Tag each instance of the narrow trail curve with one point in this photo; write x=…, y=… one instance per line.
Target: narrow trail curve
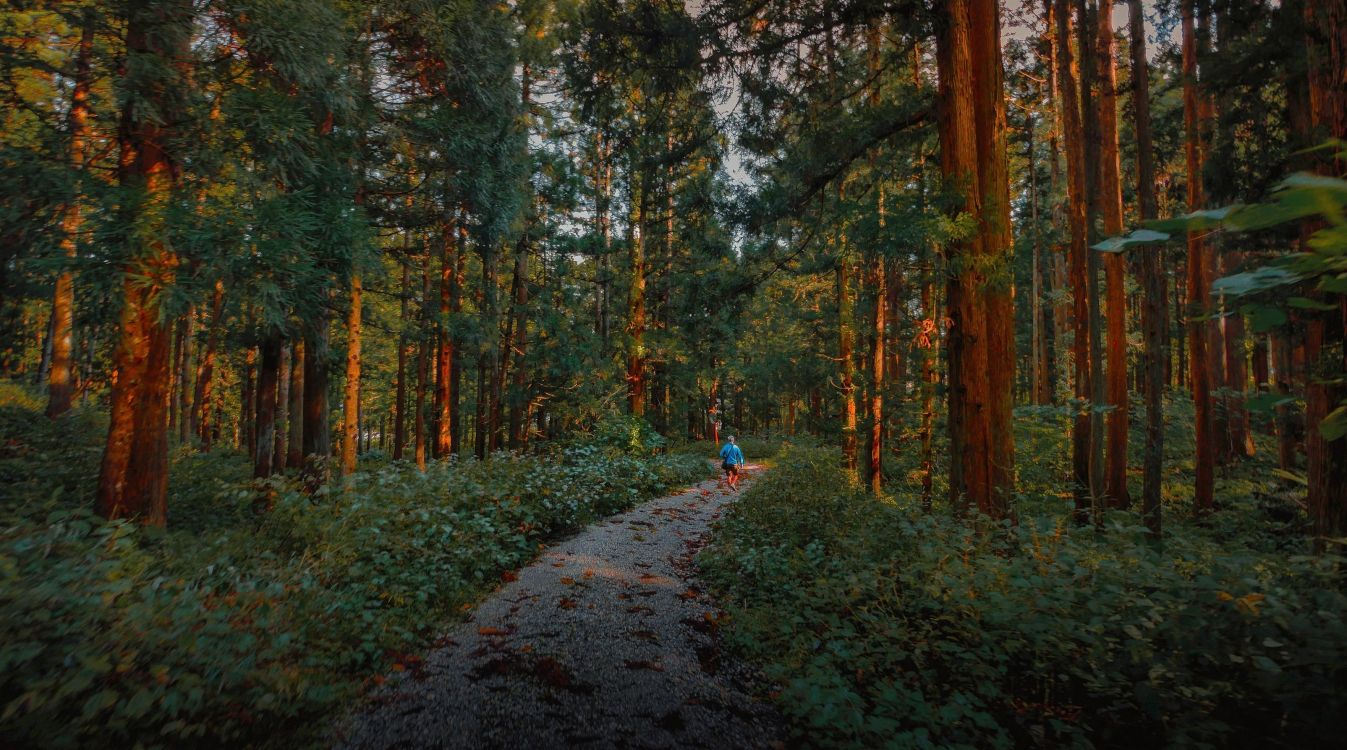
x=605, y=641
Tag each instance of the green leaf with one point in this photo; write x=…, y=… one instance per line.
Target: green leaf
x=1257, y=280
x=1192, y=222
x=1334, y=426
x=1305, y=303
x=1138, y=237
x=1266, y=402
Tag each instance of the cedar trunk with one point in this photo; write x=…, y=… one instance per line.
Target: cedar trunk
x=1198, y=287
x=133, y=477
x=350, y=429
x=61, y=384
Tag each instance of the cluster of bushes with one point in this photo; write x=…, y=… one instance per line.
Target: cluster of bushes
x=259, y=606
x=884, y=626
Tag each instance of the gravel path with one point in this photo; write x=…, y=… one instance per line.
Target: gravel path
x=605, y=641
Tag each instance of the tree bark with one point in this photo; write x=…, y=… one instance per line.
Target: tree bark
x=201, y=399
x=350, y=437
x=1198, y=287
x=317, y=434
x=61, y=383
x=133, y=477
x=1076, y=222
x=278, y=448
x=294, y=449
x=636, y=354
x=444, y=350
x=400, y=397
x=1110, y=192
x=268, y=380
x=1326, y=333
x=1155, y=311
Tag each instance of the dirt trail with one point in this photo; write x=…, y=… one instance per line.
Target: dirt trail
x=607, y=640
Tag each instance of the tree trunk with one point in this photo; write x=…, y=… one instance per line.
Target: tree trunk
x=61, y=380
x=351, y=395
x=205, y=370
x=1198, y=287
x=456, y=363
x=133, y=477
x=248, y=403
x=1110, y=191
x=268, y=380
x=444, y=350
x=636, y=356
x=1325, y=347
x=317, y=434
x=1155, y=311
x=294, y=448
x=400, y=399
x=876, y=278
x=1076, y=221
x=278, y=448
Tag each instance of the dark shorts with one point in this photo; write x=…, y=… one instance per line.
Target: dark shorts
x=730, y=468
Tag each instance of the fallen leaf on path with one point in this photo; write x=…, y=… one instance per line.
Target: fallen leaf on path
x=653, y=666
x=589, y=573
x=492, y=631
x=567, y=580
x=509, y=576
x=565, y=603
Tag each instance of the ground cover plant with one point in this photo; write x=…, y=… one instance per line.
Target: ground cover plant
x=886, y=626
x=262, y=608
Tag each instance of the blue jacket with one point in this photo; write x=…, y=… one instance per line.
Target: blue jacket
x=731, y=454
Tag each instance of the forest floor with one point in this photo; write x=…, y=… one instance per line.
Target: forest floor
x=606, y=640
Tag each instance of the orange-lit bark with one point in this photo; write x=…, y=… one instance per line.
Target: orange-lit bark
x=981, y=359
x=61, y=384
x=444, y=349
x=350, y=429
x=1111, y=204
x=279, y=455
x=876, y=278
x=133, y=477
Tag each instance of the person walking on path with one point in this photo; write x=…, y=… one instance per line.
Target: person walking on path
x=732, y=461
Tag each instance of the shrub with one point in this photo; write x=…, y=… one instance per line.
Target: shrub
x=887, y=627
x=239, y=624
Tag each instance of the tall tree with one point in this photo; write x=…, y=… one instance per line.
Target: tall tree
x=61, y=378
x=133, y=479
x=1155, y=310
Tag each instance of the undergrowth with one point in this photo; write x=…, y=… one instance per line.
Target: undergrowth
x=260, y=608
x=887, y=627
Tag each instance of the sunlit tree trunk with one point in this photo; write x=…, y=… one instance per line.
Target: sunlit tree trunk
x=456, y=362
x=1198, y=289
x=351, y=394
x=133, y=477
x=877, y=281
x=61, y=384
x=845, y=364
x=248, y=403
x=445, y=344
x=1111, y=202
x=1155, y=310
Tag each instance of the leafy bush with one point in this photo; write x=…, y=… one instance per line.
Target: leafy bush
x=239, y=619
x=627, y=435
x=889, y=627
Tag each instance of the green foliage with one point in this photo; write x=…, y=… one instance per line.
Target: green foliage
x=627, y=435
x=241, y=619
x=886, y=627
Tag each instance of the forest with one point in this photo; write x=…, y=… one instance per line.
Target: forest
x=327, y=324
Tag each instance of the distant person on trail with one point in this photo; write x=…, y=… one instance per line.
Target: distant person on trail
x=732, y=461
